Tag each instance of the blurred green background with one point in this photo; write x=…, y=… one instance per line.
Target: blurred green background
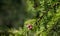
x=43, y=15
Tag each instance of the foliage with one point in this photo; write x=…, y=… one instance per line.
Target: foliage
x=43, y=15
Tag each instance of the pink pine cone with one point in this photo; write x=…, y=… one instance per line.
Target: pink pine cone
x=29, y=26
